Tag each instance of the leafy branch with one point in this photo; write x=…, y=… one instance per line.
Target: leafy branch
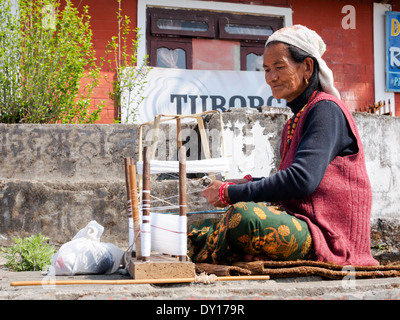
x=47, y=63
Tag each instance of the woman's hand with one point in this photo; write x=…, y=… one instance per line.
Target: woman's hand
x=211, y=193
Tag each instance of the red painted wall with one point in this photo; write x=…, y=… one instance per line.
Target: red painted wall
x=105, y=25
x=349, y=51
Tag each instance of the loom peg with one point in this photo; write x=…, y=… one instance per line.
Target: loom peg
x=145, y=231
x=182, y=187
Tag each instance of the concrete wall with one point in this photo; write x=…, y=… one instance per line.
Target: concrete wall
x=54, y=179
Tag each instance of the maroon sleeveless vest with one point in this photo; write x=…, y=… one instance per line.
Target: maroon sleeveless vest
x=338, y=211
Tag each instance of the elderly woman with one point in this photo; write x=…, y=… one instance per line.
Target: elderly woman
x=322, y=187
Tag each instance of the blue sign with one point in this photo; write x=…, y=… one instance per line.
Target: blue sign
x=392, y=51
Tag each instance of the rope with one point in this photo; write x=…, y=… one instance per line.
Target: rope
x=205, y=278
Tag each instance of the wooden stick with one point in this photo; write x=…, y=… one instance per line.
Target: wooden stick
x=178, y=135
x=127, y=162
x=132, y=281
x=204, y=142
x=146, y=202
x=135, y=208
x=182, y=187
x=154, y=141
x=182, y=181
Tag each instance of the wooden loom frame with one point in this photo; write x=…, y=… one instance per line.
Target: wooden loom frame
x=169, y=117
x=140, y=267
x=139, y=270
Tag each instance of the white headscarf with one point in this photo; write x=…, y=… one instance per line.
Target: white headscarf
x=309, y=41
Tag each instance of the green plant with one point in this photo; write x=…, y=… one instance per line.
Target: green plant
x=10, y=57
x=130, y=77
x=48, y=68
x=32, y=253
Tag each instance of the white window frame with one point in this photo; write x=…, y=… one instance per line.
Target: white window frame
x=285, y=13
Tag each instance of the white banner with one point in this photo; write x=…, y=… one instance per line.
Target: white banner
x=179, y=91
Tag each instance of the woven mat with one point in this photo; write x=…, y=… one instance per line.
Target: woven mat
x=222, y=270
x=300, y=268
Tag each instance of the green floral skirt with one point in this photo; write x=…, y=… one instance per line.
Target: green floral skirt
x=249, y=229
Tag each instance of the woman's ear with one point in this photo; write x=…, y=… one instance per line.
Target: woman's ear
x=308, y=67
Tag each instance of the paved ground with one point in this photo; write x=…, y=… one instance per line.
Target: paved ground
x=307, y=288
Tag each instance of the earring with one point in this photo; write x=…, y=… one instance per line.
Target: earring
x=307, y=82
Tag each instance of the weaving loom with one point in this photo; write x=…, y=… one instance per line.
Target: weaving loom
x=163, y=233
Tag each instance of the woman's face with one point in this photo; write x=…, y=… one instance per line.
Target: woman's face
x=285, y=76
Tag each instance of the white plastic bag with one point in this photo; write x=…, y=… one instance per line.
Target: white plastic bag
x=85, y=254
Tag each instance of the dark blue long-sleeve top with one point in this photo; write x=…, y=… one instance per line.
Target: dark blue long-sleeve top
x=326, y=134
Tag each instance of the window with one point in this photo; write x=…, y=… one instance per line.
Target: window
x=171, y=54
x=251, y=57
x=182, y=25
x=247, y=30
x=178, y=38
x=167, y=22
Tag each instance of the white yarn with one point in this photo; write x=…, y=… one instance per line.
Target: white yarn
x=192, y=166
x=131, y=232
x=145, y=234
x=182, y=242
x=168, y=233
x=309, y=41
